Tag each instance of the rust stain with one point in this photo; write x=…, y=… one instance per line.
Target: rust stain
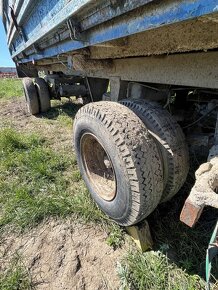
x=190, y=213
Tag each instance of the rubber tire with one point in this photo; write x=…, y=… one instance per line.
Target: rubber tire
x=30, y=96
x=43, y=94
x=134, y=155
x=173, y=146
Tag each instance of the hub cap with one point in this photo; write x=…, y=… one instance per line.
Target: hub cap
x=98, y=167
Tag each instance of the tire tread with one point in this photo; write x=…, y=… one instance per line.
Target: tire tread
x=175, y=153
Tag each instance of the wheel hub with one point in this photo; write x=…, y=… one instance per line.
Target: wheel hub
x=98, y=167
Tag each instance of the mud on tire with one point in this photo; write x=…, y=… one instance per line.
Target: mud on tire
x=132, y=157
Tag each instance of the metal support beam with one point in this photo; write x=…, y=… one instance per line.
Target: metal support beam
x=188, y=69
x=118, y=89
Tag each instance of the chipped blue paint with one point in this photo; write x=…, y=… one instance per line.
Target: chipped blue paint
x=29, y=11
x=49, y=17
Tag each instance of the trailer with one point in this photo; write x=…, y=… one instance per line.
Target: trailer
x=147, y=73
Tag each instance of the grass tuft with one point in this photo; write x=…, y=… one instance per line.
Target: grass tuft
x=153, y=271
x=116, y=237
x=15, y=277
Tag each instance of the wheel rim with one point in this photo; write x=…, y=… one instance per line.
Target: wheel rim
x=98, y=167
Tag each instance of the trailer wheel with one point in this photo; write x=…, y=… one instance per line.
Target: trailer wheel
x=170, y=140
x=44, y=95
x=119, y=161
x=30, y=96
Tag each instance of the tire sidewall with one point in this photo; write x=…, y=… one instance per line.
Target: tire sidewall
x=120, y=207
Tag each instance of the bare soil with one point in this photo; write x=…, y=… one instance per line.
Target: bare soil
x=58, y=254
x=14, y=113
x=65, y=255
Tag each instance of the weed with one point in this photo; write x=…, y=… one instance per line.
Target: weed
x=153, y=271
x=10, y=88
x=116, y=236
x=16, y=276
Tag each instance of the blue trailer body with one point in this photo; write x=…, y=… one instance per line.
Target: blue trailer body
x=43, y=29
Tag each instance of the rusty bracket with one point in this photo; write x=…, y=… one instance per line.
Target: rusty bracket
x=203, y=192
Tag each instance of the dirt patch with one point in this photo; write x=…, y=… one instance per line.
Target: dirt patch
x=65, y=255
x=13, y=113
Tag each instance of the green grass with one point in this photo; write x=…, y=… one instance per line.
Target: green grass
x=116, y=236
x=15, y=276
x=35, y=184
x=63, y=111
x=154, y=271
x=10, y=88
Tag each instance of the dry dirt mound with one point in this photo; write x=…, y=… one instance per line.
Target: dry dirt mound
x=65, y=255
